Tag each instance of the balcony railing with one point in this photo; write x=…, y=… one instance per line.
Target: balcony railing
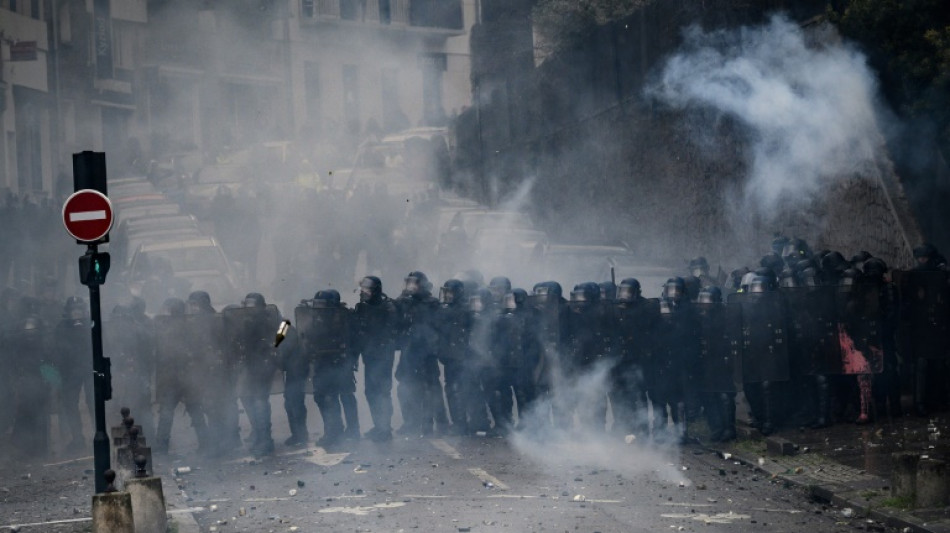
x=440, y=14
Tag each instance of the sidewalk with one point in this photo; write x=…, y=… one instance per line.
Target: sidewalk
x=851, y=466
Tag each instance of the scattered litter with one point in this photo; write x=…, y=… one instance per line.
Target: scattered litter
x=481, y=433
x=712, y=500
x=847, y=512
x=488, y=484
x=580, y=498
x=726, y=456
x=799, y=469
x=26, y=476
x=182, y=470
x=300, y=483
x=684, y=468
x=465, y=529
x=629, y=439
x=761, y=461
x=242, y=512
x=292, y=492
x=213, y=508
x=359, y=470
x=701, y=486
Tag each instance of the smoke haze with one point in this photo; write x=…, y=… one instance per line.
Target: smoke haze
x=809, y=105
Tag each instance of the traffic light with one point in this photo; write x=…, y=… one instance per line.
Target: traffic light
x=93, y=267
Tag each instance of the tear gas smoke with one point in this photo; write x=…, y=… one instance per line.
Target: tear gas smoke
x=559, y=446
x=806, y=99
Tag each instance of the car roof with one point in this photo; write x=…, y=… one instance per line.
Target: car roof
x=201, y=241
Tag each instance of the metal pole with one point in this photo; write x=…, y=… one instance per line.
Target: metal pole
x=101, y=373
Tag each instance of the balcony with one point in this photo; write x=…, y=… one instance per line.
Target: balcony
x=438, y=15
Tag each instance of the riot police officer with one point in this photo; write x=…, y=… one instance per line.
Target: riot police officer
x=251, y=328
x=675, y=359
x=34, y=379
x=454, y=325
x=323, y=325
x=205, y=334
x=376, y=326
x=132, y=354
x=589, y=342
x=419, y=391
x=552, y=315
x=73, y=356
x=636, y=319
x=720, y=342
x=515, y=359
x=478, y=361
x=178, y=378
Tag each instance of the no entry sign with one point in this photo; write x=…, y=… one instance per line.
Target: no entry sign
x=87, y=215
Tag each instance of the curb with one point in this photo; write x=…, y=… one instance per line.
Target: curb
x=835, y=494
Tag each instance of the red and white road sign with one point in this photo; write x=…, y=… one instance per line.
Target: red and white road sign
x=87, y=215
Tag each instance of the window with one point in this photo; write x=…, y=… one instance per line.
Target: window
x=385, y=12
x=349, y=9
x=351, y=98
x=306, y=8
x=35, y=9
x=311, y=80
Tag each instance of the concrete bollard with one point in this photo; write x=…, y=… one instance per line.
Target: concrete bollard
x=148, y=500
x=904, y=475
x=125, y=456
x=112, y=510
x=932, y=483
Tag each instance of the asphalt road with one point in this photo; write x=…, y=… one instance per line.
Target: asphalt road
x=448, y=484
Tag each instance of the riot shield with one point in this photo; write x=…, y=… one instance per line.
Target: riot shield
x=508, y=340
x=764, y=336
x=250, y=330
x=205, y=334
x=813, y=328
x=550, y=318
x=322, y=331
x=924, y=330
x=171, y=340
x=635, y=327
x=720, y=336
x=859, y=328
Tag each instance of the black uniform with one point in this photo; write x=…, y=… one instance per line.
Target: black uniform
x=589, y=342
x=73, y=353
x=34, y=379
x=375, y=323
x=453, y=324
x=420, y=392
x=636, y=318
x=515, y=358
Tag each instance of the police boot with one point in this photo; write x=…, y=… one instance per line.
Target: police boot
x=298, y=432
x=352, y=431
x=768, y=409
x=920, y=387
x=727, y=406
x=714, y=417
x=822, y=402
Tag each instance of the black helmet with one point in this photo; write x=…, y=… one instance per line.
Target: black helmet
x=74, y=308
x=629, y=290
x=31, y=324
x=254, y=299
x=795, y=251
x=709, y=296
x=675, y=288
x=452, y=292
x=547, y=291
x=860, y=258
x=735, y=278
x=760, y=284
x=778, y=244
x=499, y=287
x=515, y=299
x=480, y=301
x=585, y=293
x=849, y=278
x=698, y=266
x=326, y=298
x=834, y=262
x=200, y=301
x=417, y=283
x=174, y=307
x=875, y=268
x=471, y=278
x=608, y=291
x=925, y=251
x=371, y=289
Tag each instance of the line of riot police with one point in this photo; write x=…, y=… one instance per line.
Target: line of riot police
x=809, y=338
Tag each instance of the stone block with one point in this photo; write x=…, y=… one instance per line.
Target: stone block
x=148, y=504
x=932, y=483
x=112, y=513
x=904, y=475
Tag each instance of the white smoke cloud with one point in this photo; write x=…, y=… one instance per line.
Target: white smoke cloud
x=807, y=99
x=560, y=447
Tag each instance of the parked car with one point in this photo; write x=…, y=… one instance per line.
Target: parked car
x=180, y=266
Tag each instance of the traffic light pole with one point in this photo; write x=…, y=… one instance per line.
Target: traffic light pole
x=102, y=385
